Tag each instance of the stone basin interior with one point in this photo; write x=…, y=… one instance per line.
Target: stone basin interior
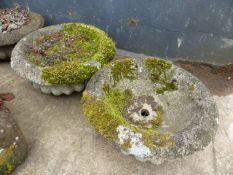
x=177, y=116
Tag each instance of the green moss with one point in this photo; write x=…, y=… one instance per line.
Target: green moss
x=68, y=73
x=105, y=115
x=126, y=145
x=158, y=69
x=158, y=119
x=7, y=163
x=125, y=68
x=169, y=86
x=75, y=42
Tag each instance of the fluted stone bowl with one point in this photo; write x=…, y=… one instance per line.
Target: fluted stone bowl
x=9, y=39
x=13, y=147
x=63, y=77
x=151, y=109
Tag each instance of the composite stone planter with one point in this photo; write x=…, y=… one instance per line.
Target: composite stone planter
x=73, y=70
x=13, y=147
x=9, y=39
x=151, y=109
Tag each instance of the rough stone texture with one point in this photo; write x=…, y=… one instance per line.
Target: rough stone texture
x=13, y=147
x=218, y=79
x=61, y=141
x=191, y=115
x=36, y=22
x=9, y=39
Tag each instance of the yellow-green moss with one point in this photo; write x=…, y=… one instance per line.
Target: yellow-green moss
x=7, y=163
x=126, y=145
x=68, y=73
x=75, y=42
x=125, y=68
x=158, y=119
x=105, y=115
x=158, y=69
x=168, y=86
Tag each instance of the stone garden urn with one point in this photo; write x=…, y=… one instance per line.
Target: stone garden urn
x=16, y=23
x=60, y=59
x=13, y=147
x=151, y=109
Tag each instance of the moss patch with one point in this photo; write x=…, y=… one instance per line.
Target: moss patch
x=71, y=48
x=7, y=163
x=158, y=119
x=168, y=86
x=158, y=69
x=13, y=16
x=68, y=73
x=124, y=68
x=126, y=145
x=105, y=115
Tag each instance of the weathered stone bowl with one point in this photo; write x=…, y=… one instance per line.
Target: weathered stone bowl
x=67, y=76
x=9, y=39
x=151, y=109
x=13, y=147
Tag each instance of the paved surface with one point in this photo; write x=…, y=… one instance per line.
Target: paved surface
x=63, y=143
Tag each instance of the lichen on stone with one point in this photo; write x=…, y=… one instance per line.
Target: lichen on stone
x=64, y=55
x=143, y=111
x=158, y=70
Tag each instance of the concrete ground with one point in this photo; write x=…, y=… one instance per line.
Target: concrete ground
x=62, y=142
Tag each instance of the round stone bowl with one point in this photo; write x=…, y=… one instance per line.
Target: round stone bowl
x=13, y=147
x=9, y=39
x=67, y=76
x=151, y=109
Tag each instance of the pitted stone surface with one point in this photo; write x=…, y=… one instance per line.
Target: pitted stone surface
x=189, y=113
x=141, y=110
x=13, y=147
x=9, y=39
